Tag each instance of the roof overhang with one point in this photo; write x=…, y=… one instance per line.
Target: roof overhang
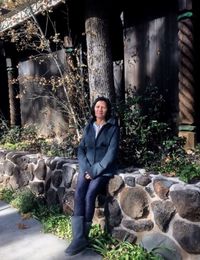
x=15, y=17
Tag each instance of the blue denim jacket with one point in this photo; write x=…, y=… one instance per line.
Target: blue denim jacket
x=99, y=156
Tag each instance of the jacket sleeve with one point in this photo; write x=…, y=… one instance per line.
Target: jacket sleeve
x=84, y=165
x=110, y=156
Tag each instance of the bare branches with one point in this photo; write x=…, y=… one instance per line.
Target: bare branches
x=71, y=77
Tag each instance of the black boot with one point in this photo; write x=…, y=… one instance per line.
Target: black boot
x=79, y=241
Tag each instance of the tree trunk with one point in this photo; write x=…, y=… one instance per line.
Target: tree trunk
x=99, y=53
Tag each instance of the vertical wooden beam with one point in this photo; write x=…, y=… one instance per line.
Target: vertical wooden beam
x=186, y=73
x=13, y=91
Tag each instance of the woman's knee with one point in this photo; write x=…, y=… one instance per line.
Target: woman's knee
x=91, y=195
x=80, y=194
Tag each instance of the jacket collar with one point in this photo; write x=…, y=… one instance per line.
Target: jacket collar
x=112, y=121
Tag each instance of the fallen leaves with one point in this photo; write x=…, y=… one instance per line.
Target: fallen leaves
x=26, y=216
x=22, y=226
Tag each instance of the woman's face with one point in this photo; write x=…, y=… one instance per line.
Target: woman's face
x=100, y=110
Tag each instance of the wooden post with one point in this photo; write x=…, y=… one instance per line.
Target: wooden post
x=186, y=73
x=13, y=92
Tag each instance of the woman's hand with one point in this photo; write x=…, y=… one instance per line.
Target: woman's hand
x=87, y=176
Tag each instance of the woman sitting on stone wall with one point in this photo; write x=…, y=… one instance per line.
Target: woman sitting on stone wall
x=97, y=155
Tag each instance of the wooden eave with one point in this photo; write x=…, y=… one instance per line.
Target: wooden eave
x=24, y=12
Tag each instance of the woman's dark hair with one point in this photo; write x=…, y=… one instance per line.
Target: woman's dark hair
x=108, y=104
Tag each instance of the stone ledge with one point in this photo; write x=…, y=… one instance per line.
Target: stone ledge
x=136, y=204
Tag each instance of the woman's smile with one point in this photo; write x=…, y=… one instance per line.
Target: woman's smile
x=100, y=110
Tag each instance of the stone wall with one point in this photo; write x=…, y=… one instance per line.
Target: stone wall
x=142, y=207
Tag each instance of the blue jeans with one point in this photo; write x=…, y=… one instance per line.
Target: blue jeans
x=85, y=195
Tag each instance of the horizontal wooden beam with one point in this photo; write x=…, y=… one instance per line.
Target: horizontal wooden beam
x=15, y=17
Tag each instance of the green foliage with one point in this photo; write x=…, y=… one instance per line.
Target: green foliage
x=16, y=134
x=16, y=137
x=148, y=141
x=178, y=163
x=127, y=251
x=173, y=155
x=25, y=139
x=145, y=136
x=11, y=135
x=24, y=201
x=6, y=195
x=52, y=219
x=173, y=147
x=188, y=172
x=65, y=149
x=59, y=225
x=112, y=249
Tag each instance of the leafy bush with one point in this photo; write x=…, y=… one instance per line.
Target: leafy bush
x=112, y=249
x=59, y=225
x=24, y=200
x=146, y=138
x=6, y=195
x=189, y=172
x=25, y=139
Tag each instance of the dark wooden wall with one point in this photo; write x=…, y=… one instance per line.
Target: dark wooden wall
x=40, y=104
x=196, y=19
x=151, y=49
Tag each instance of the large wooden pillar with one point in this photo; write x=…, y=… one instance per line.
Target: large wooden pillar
x=186, y=73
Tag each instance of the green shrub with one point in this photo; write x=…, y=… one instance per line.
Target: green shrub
x=146, y=137
x=24, y=201
x=189, y=172
x=26, y=139
x=112, y=249
x=59, y=225
x=6, y=195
